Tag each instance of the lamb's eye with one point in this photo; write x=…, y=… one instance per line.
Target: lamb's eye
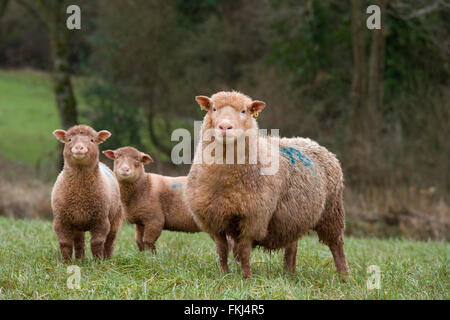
x=243, y=111
x=70, y=140
x=92, y=140
x=214, y=109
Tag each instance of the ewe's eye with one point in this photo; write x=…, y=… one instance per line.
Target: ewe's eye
x=243, y=111
x=70, y=140
x=214, y=109
x=92, y=140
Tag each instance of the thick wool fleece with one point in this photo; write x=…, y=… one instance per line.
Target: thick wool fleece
x=272, y=211
x=86, y=198
x=153, y=203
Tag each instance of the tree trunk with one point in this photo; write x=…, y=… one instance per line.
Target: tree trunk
x=3, y=7
x=53, y=20
x=61, y=74
x=376, y=70
x=358, y=91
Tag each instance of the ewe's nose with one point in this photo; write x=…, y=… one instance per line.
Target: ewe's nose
x=225, y=125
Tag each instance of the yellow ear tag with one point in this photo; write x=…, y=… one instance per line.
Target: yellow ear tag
x=255, y=114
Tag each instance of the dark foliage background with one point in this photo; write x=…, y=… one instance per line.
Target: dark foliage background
x=378, y=99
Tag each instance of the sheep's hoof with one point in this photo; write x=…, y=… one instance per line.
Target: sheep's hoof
x=225, y=269
x=344, y=276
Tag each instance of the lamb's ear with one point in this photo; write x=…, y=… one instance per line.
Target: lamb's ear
x=256, y=106
x=60, y=135
x=204, y=102
x=110, y=154
x=146, y=159
x=103, y=135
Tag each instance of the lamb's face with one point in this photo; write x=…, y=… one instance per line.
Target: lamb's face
x=231, y=114
x=128, y=163
x=81, y=144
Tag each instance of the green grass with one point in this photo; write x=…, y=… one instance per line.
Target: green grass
x=28, y=116
x=186, y=267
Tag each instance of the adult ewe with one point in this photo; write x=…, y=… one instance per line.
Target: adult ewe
x=86, y=196
x=269, y=210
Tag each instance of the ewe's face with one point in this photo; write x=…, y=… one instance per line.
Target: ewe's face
x=229, y=122
x=81, y=144
x=128, y=163
x=231, y=119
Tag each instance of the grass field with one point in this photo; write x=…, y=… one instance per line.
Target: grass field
x=186, y=267
x=28, y=115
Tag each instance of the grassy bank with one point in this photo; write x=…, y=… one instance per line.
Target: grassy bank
x=185, y=267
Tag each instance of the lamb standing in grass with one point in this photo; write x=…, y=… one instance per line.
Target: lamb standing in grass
x=272, y=211
x=151, y=202
x=86, y=196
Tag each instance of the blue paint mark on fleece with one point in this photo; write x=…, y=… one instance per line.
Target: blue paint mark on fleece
x=177, y=185
x=105, y=170
x=290, y=152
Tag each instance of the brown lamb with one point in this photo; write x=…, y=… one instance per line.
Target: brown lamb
x=272, y=211
x=86, y=196
x=151, y=202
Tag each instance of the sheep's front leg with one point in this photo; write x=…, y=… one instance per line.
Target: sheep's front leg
x=222, y=251
x=243, y=249
x=139, y=236
x=78, y=243
x=290, y=256
x=98, y=238
x=65, y=239
x=152, y=231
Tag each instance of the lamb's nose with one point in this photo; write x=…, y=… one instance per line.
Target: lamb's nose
x=79, y=148
x=225, y=127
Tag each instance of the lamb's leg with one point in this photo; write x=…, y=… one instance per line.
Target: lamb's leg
x=152, y=231
x=290, y=256
x=65, y=239
x=231, y=247
x=139, y=236
x=243, y=249
x=78, y=243
x=222, y=251
x=109, y=243
x=98, y=239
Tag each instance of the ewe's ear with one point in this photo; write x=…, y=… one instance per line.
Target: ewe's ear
x=146, y=159
x=204, y=102
x=110, y=154
x=60, y=135
x=103, y=135
x=256, y=106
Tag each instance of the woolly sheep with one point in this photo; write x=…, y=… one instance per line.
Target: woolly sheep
x=86, y=196
x=272, y=211
x=151, y=202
